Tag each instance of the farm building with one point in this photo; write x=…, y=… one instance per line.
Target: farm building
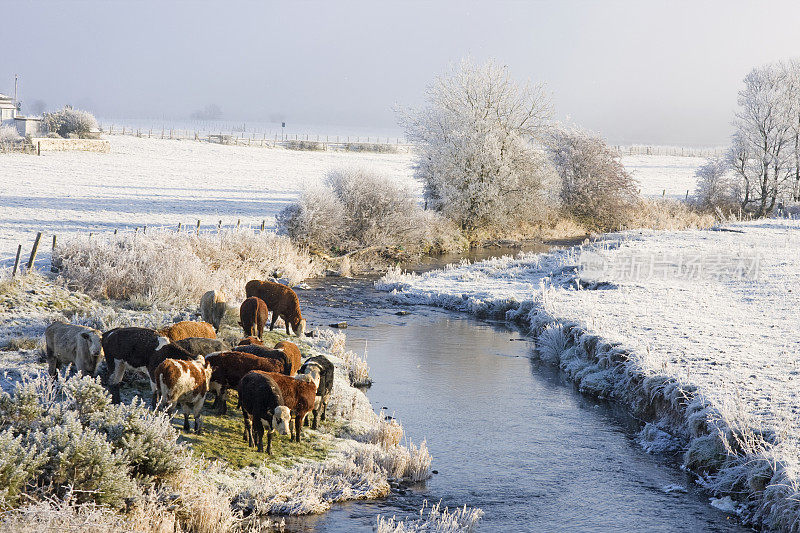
x=9, y=116
x=8, y=110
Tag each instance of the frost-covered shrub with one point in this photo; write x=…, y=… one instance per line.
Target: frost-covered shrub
x=595, y=187
x=313, y=146
x=177, y=268
x=8, y=137
x=64, y=437
x=317, y=220
x=378, y=148
x=437, y=520
x=718, y=188
x=476, y=157
x=359, y=209
x=68, y=122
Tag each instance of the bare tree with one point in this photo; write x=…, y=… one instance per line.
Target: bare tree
x=477, y=160
x=763, y=151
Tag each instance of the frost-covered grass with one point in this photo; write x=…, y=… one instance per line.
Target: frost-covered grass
x=435, y=520
x=165, y=267
x=712, y=361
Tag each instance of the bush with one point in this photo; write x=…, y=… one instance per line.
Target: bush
x=595, y=187
x=313, y=146
x=358, y=209
x=477, y=160
x=70, y=123
x=8, y=137
x=378, y=148
x=65, y=437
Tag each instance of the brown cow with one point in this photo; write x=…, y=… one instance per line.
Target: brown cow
x=292, y=354
x=253, y=314
x=247, y=341
x=298, y=396
x=282, y=301
x=184, y=383
x=230, y=367
x=186, y=329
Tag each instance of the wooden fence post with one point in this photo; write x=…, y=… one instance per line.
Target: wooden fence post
x=262, y=226
x=38, y=147
x=198, y=227
x=54, y=243
x=115, y=231
x=238, y=221
x=219, y=226
x=16, y=261
x=35, y=249
x=179, y=227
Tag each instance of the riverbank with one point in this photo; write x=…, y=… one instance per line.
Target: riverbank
x=356, y=454
x=708, y=359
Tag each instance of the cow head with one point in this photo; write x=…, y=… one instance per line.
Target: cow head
x=280, y=419
x=311, y=373
x=299, y=327
x=205, y=367
x=92, y=352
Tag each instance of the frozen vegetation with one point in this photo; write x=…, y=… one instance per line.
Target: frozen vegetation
x=695, y=331
x=71, y=459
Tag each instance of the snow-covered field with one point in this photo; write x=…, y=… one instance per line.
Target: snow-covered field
x=659, y=173
x=161, y=183
x=715, y=313
x=157, y=182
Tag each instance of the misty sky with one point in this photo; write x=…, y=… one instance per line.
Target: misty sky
x=648, y=72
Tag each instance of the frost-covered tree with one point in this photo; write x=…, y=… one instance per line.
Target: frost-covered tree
x=718, y=186
x=764, y=145
x=477, y=159
x=68, y=122
x=595, y=187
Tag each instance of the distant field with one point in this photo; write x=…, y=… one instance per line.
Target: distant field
x=161, y=183
x=157, y=182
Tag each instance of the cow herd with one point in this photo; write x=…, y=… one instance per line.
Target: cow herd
x=185, y=361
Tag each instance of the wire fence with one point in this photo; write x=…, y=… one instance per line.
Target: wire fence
x=243, y=138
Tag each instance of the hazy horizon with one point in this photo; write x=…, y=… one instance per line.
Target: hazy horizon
x=656, y=72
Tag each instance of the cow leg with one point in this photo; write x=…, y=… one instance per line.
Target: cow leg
x=274, y=319
x=198, y=407
x=221, y=403
x=185, y=409
x=260, y=330
x=115, y=378
x=258, y=428
x=286, y=323
x=269, y=442
x=314, y=423
x=298, y=424
x=248, y=435
x=324, y=407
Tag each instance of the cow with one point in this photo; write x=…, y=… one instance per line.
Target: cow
x=72, y=344
x=282, y=301
x=320, y=368
x=292, y=353
x=263, y=351
x=250, y=340
x=129, y=349
x=213, y=307
x=261, y=399
x=298, y=396
x=230, y=367
x=184, y=384
x=253, y=314
x=187, y=328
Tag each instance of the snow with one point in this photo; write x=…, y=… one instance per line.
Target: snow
x=162, y=182
x=659, y=173
x=718, y=347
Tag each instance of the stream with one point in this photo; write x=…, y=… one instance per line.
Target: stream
x=508, y=434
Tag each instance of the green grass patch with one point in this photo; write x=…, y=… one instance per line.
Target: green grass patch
x=222, y=439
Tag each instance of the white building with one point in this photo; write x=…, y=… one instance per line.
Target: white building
x=9, y=116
